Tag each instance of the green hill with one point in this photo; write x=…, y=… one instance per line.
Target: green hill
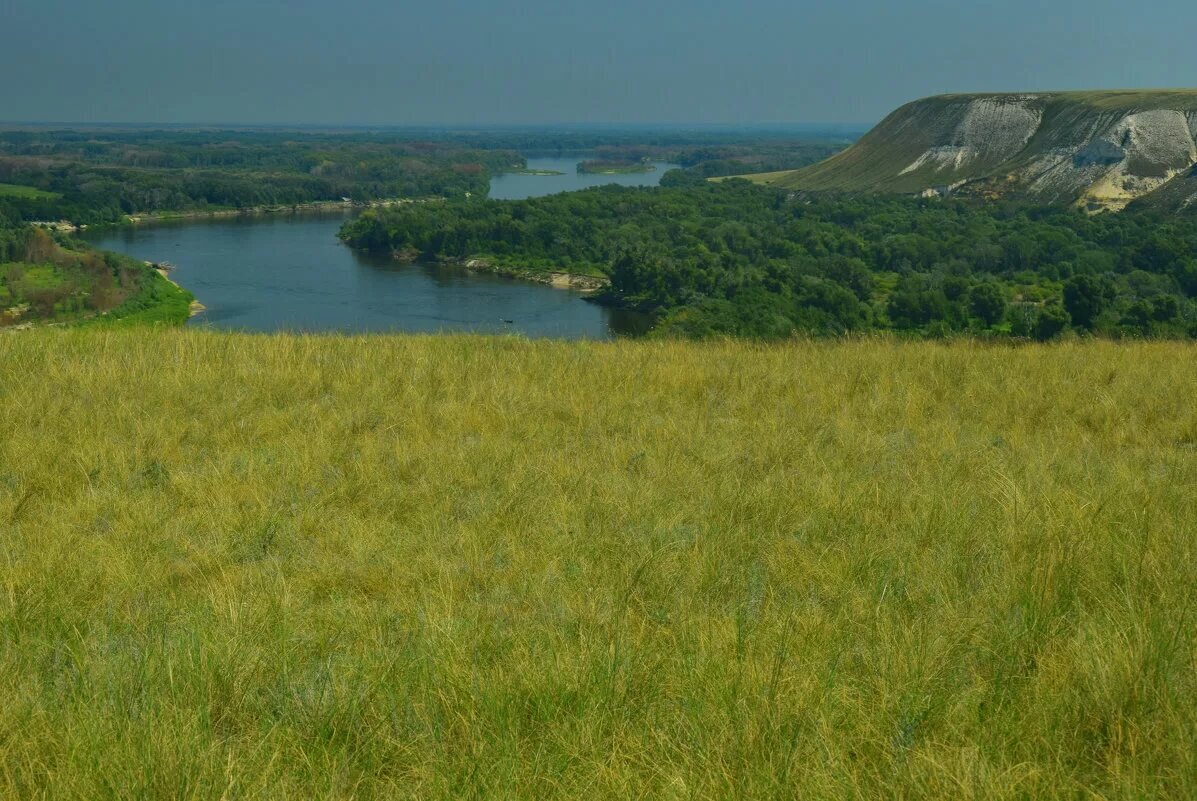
x=1103, y=150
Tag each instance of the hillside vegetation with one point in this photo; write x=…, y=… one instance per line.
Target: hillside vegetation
x=49, y=280
x=389, y=567
x=1102, y=150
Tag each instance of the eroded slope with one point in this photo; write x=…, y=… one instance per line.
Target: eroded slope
x=1099, y=149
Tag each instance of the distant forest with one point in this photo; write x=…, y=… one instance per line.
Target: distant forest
x=738, y=259
x=104, y=175
x=94, y=177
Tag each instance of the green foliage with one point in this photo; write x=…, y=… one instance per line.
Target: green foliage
x=1050, y=322
x=25, y=193
x=158, y=301
x=42, y=280
x=102, y=176
x=732, y=258
x=987, y=302
x=1086, y=297
x=918, y=302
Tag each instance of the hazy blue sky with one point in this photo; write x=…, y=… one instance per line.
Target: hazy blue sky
x=498, y=61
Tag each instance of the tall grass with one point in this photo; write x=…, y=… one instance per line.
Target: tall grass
x=453, y=567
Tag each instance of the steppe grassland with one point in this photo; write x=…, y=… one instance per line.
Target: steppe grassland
x=433, y=567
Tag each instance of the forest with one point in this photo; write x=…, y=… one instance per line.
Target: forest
x=736, y=259
x=102, y=176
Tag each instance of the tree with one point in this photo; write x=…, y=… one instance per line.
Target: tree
x=1051, y=321
x=1186, y=276
x=915, y=304
x=987, y=302
x=1087, y=296
x=1149, y=316
x=825, y=307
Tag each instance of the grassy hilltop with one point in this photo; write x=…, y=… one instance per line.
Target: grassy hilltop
x=404, y=567
x=1102, y=150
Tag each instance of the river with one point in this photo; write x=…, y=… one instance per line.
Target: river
x=515, y=186
x=291, y=273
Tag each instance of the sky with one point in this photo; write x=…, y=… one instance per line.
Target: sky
x=499, y=62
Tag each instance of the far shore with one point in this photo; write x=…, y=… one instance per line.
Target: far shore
x=614, y=168
x=298, y=208
x=586, y=284
x=315, y=207
x=533, y=172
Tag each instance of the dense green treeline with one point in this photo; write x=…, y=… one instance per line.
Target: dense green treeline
x=736, y=259
x=94, y=177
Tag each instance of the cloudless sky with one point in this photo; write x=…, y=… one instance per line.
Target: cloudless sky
x=480, y=62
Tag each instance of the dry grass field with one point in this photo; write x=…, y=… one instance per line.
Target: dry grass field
x=241, y=567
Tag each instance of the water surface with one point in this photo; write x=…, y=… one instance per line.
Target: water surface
x=291, y=273
x=513, y=186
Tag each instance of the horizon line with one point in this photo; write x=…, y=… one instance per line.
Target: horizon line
x=454, y=126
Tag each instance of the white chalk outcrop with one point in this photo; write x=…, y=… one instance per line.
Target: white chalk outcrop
x=1099, y=149
x=992, y=129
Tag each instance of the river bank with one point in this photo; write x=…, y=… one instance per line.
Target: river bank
x=596, y=167
x=254, y=211
x=315, y=207
x=542, y=173
x=194, y=307
x=576, y=282
x=596, y=289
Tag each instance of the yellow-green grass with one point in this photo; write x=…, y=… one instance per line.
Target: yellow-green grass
x=26, y=192
x=37, y=276
x=447, y=567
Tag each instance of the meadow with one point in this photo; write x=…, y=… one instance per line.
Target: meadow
x=463, y=567
x=25, y=192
